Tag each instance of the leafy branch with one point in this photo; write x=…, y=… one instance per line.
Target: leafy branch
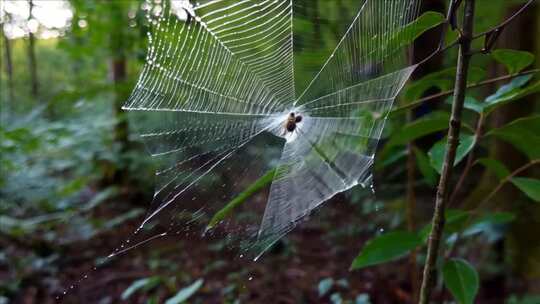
x=436, y=96
x=442, y=198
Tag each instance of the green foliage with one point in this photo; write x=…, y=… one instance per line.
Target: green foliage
x=529, y=186
x=510, y=92
x=434, y=122
x=412, y=31
x=254, y=188
x=185, y=293
x=523, y=133
x=462, y=280
x=514, y=61
x=455, y=221
x=441, y=80
x=140, y=285
x=495, y=166
x=425, y=167
x=386, y=247
x=438, y=151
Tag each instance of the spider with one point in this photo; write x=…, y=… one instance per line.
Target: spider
x=290, y=123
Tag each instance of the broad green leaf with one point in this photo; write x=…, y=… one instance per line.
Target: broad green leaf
x=432, y=123
x=472, y=104
x=438, y=151
x=386, y=247
x=185, y=293
x=513, y=85
x=529, y=186
x=324, y=286
x=425, y=167
x=462, y=280
x=241, y=198
x=490, y=225
x=413, y=30
x=441, y=80
x=144, y=284
x=391, y=157
x=495, y=166
x=455, y=221
x=512, y=91
x=523, y=133
x=514, y=61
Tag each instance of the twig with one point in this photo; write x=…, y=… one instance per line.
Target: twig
x=451, y=147
x=503, y=182
x=505, y=22
x=411, y=219
x=492, y=33
x=470, y=160
x=420, y=101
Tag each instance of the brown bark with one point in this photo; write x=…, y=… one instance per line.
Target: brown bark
x=451, y=147
x=8, y=65
x=118, y=67
x=32, y=61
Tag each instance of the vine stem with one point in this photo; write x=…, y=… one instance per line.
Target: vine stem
x=451, y=148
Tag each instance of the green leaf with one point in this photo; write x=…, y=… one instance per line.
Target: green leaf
x=472, y=104
x=391, y=157
x=523, y=133
x=386, y=247
x=425, y=167
x=241, y=198
x=144, y=284
x=514, y=61
x=438, y=151
x=495, y=166
x=441, y=80
x=462, y=280
x=455, y=221
x=429, y=124
x=490, y=225
x=406, y=35
x=512, y=91
x=185, y=293
x=529, y=186
x=325, y=285
x=514, y=84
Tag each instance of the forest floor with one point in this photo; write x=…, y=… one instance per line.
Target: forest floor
x=289, y=273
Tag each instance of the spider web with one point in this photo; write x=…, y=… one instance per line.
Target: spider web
x=220, y=73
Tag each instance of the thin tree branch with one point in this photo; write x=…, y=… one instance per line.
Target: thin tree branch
x=470, y=160
x=505, y=22
x=488, y=198
x=420, y=101
x=451, y=148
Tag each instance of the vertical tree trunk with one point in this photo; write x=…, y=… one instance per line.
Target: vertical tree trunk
x=118, y=67
x=8, y=66
x=32, y=62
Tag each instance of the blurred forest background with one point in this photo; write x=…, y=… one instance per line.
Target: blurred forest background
x=76, y=181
